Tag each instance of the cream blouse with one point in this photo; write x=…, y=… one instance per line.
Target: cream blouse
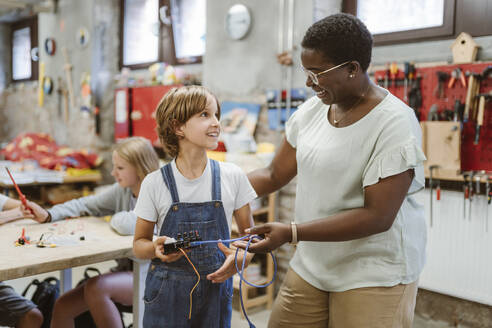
x=334, y=165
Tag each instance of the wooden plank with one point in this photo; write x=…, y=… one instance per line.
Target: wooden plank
x=441, y=145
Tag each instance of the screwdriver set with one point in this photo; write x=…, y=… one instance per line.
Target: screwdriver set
x=186, y=240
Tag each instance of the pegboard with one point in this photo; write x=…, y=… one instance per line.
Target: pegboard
x=473, y=157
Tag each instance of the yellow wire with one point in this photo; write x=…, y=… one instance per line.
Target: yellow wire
x=191, y=293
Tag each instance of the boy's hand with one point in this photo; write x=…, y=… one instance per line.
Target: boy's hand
x=228, y=268
x=159, y=250
x=40, y=214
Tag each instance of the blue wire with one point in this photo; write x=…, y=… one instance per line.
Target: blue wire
x=198, y=243
x=243, y=264
x=240, y=273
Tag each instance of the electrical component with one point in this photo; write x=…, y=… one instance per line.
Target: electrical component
x=182, y=241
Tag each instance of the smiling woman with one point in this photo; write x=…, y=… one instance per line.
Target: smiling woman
x=356, y=151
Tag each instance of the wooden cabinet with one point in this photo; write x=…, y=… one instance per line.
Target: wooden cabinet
x=252, y=296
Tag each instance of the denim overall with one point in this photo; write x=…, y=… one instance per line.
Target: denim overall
x=167, y=286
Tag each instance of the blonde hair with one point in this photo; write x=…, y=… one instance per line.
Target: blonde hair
x=176, y=107
x=139, y=153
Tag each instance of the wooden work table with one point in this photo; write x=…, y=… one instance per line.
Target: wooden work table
x=101, y=244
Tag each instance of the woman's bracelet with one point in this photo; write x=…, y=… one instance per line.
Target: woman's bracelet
x=293, y=227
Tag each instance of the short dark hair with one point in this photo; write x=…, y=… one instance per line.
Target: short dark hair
x=340, y=38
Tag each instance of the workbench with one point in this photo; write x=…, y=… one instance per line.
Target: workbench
x=86, y=181
x=87, y=178
x=100, y=244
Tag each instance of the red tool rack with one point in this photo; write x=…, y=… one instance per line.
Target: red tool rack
x=473, y=157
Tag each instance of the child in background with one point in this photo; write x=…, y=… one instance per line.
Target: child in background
x=15, y=310
x=133, y=159
x=191, y=193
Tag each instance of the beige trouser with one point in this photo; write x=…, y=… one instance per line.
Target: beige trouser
x=298, y=304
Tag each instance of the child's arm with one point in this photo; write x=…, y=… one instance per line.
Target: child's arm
x=145, y=248
x=13, y=214
x=244, y=220
x=10, y=204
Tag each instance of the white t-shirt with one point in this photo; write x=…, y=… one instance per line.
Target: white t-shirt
x=334, y=165
x=3, y=200
x=154, y=198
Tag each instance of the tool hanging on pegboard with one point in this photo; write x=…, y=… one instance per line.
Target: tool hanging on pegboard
x=459, y=92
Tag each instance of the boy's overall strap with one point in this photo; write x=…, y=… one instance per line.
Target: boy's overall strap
x=216, y=194
x=168, y=176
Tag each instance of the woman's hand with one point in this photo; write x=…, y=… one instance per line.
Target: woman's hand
x=40, y=214
x=159, y=250
x=276, y=234
x=228, y=268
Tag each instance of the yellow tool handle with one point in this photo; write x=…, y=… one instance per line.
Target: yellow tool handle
x=40, y=84
x=471, y=81
x=481, y=108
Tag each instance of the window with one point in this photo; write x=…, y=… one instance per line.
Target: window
x=24, y=38
x=189, y=23
x=416, y=20
x=141, y=32
x=171, y=31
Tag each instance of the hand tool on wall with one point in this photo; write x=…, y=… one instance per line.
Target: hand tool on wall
x=472, y=80
x=431, y=186
x=457, y=73
x=456, y=113
x=461, y=75
x=68, y=74
x=59, y=92
x=474, y=98
x=393, y=73
x=438, y=190
x=415, y=97
x=454, y=76
x=433, y=114
x=478, y=178
x=62, y=96
x=442, y=77
x=40, y=84
x=488, y=194
x=386, y=75
x=406, y=72
x=470, y=193
x=481, y=108
x=466, y=192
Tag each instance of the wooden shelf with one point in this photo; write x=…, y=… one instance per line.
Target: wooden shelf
x=260, y=211
x=263, y=280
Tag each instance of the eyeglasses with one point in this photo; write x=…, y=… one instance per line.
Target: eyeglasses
x=314, y=76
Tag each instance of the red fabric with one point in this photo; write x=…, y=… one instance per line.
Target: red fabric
x=42, y=148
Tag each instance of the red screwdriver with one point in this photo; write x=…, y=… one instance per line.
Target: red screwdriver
x=21, y=195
